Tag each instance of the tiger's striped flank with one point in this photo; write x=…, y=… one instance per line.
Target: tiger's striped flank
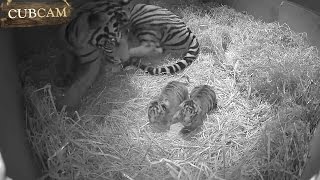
x=153, y=24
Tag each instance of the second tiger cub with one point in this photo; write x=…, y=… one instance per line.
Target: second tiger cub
x=193, y=111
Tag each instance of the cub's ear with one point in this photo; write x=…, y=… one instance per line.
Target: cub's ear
x=166, y=102
x=152, y=104
x=164, y=106
x=96, y=19
x=176, y=117
x=198, y=108
x=182, y=105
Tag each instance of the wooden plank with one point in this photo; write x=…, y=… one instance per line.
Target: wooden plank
x=28, y=14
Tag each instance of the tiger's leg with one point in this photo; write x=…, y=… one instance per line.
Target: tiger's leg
x=87, y=76
x=147, y=48
x=149, y=40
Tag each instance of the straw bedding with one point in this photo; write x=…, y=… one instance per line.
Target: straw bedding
x=266, y=80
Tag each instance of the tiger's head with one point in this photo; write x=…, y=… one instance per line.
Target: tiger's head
x=157, y=111
x=187, y=112
x=100, y=24
x=109, y=29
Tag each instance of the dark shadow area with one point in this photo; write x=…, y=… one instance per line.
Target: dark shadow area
x=14, y=146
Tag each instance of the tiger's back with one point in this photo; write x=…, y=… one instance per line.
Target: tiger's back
x=153, y=23
x=205, y=96
x=160, y=28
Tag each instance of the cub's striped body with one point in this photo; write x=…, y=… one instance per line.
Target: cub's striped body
x=162, y=109
x=193, y=111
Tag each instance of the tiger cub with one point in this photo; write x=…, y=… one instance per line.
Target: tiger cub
x=161, y=110
x=193, y=111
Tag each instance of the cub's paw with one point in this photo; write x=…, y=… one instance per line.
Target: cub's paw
x=185, y=130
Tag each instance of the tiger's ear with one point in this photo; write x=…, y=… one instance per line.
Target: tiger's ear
x=176, y=117
x=96, y=19
x=124, y=2
x=152, y=104
x=182, y=104
x=166, y=102
x=164, y=107
x=197, y=107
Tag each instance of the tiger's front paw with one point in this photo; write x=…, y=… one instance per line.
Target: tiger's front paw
x=153, y=49
x=158, y=50
x=116, y=69
x=145, y=50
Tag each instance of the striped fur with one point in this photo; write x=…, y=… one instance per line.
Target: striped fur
x=96, y=29
x=193, y=111
x=96, y=33
x=101, y=30
x=158, y=27
x=162, y=109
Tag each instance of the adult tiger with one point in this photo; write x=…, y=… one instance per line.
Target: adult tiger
x=95, y=31
x=99, y=31
x=193, y=111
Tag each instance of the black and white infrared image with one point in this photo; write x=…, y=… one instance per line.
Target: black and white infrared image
x=159, y=90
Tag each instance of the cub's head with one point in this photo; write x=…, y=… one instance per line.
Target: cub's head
x=187, y=112
x=157, y=111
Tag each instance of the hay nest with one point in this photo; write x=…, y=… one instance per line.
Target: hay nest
x=266, y=79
